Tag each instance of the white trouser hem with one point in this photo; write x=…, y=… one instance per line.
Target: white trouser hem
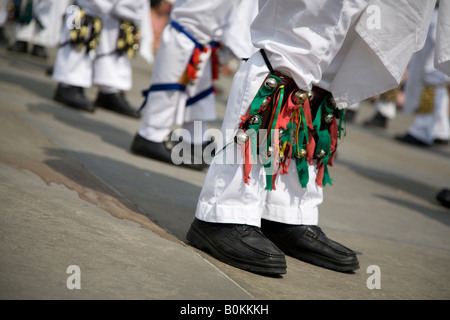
x=226, y=214
x=306, y=216
x=154, y=134
x=388, y=109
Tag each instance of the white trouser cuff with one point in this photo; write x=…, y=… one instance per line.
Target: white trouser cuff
x=249, y=215
x=388, y=109
x=307, y=215
x=154, y=134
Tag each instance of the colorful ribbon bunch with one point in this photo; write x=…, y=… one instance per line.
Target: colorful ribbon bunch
x=292, y=133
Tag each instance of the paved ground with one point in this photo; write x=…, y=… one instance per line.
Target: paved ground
x=73, y=194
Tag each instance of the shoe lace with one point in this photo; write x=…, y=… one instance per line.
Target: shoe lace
x=248, y=229
x=316, y=230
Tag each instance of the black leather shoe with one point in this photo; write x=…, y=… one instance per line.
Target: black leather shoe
x=241, y=246
x=155, y=150
x=162, y=151
x=442, y=142
x=19, y=46
x=378, y=121
x=350, y=116
x=73, y=97
x=409, y=139
x=3, y=38
x=310, y=244
x=39, y=51
x=116, y=102
x=444, y=197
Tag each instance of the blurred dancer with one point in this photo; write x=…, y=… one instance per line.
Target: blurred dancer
x=97, y=46
x=4, y=4
x=385, y=109
x=426, y=93
x=37, y=23
x=187, y=63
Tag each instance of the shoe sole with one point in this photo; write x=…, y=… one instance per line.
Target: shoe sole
x=321, y=261
x=196, y=239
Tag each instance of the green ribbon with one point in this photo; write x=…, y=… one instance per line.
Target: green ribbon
x=269, y=164
x=324, y=139
x=261, y=95
x=253, y=136
x=324, y=143
x=342, y=119
x=302, y=163
x=302, y=171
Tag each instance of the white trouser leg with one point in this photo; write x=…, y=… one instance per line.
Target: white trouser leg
x=442, y=123
x=23, y=32
x=3, y=12
x=290, y=203
x=225, y=198
x=167, y=108
x=423, y=126
x=387, y=109
x=110, y=69
x=72, y=67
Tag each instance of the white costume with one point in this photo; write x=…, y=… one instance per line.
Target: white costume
x=3, y=12
x=386, y=107
x=429, y=123
x=174, y=97
x=332, y=45
x=44, y=28
x=108, y=70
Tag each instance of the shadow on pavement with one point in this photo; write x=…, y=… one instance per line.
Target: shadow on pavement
x=167, y=201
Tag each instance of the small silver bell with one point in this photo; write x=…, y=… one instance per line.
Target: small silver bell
x=310, y=95
x=299, y=97
x=270, y=152
x=321, y=154
x=328, y=118
x=281, y=158
x=254, y=120
x=241, y=138
x=271, y=83
x=264, y=103
x=301, y=154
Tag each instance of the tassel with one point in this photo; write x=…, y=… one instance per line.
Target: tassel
x=253, y=129
x=193, y=63
x=215, y=60
x=191, y=72
x=323, y=143
x=273, y=130
x=334, y=140
x=302, y=171
x=343, y=119
x=287, y=152
x=246, y=155
x=250, y=149
x=301, y=162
